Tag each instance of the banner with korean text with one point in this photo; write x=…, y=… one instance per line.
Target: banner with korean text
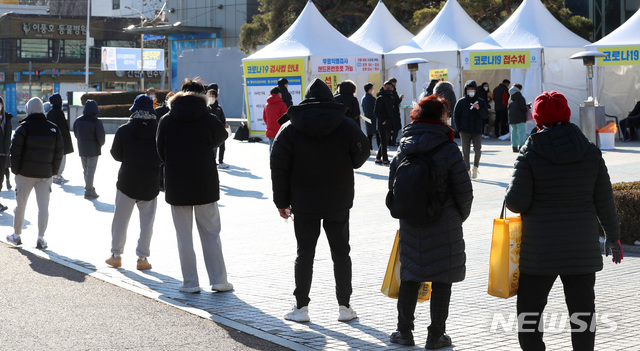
x=128, y=59
x=501, y=59
x=619, y=56
x=345, y=64
x=261, y=76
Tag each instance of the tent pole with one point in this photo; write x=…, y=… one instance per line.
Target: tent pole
x=460, y=86
x=384, y=70
x=542, y=59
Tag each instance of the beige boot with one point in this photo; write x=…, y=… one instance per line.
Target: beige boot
x=474, y=172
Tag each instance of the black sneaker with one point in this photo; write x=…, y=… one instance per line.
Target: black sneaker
x=402, y=338
x=443, y=341
x=3, y=208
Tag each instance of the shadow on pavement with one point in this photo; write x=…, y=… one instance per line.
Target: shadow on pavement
x=497, y=165
x=73, y=189
x=373, y=176
x=43, y=266
x=240, y=172
x=491, y=182
x=242, y=193
x=103, y=206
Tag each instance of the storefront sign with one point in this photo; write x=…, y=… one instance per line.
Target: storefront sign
x=148, y=74
x=40, y=29
x=345, y=64
x=128, y=59
x=500, y=59
x=619, y=55
x=261, y=76
x=439, y=74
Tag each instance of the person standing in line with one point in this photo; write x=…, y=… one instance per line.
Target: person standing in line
x=368, y=107
x=36, y=153
x=384, y=112
x=518, y=109
x=561, y=187
x=433, y=252
x=396, y=123
x=216, y=110
x=272, y=111
x=89, y=131
x=318, y=134
x=56, y=115
x=346, y=96
x=164, y=108
x=185, y=141
x=283, y=84
x=483, y=93
x=5, y=144
x=134, y=145
x=501, y=100
x=151, y=93
x=468, y=115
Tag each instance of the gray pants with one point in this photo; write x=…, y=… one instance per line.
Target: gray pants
x=466, y=139
x=24, y=185
x=121, y=217
x=208, y=224
x=89, y=164
x=62, y=164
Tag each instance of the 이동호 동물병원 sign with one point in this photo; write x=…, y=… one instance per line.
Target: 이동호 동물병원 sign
x=261, y=76
x=128, y=59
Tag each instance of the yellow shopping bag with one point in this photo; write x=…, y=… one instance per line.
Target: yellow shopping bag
x=391, y=282
x=504, y=273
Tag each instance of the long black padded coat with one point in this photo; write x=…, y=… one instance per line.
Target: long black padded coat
x=435, y=252
x=314, y=155
x=56, y=115
x=561, y=187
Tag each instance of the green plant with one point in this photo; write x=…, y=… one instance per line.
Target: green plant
x=627, y=198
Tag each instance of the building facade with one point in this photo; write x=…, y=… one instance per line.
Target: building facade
x=606, y=15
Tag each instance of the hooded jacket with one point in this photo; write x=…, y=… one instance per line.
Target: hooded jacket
x=89, y=131
x=186, y=138
x=383, y=110
x=56, y=115
x=347, y=98
x=561, y=187
x=273, y=110
x=134, y=144
x=517, y=107
x=286, y=95
x=466, y=118
x=5, y=129
x=36, y=148
x=435, y=252
x=501, y=97
x=314, y=155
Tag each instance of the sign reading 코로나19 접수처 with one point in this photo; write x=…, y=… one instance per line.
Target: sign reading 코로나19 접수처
x=500, y=59
x=619, y=56
x=261, y=76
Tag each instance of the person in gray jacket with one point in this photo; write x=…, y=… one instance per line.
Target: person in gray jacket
x=561, y=187
x=89, y=131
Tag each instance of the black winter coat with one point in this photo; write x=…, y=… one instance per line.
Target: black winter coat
x=318, y=134
x=352, y=105
x=517, y=108
x=5, y=134
x=217, y=111
x=36, y=148
x=470, y=120
x=135, y=146
x=501, y=101
x=383, y=110
x=561, y=187
x=286, y=96
x=435, y=252
x=368, y=109
x=186, y=138
x=161, y=111
x=89, y=131
x=56, y=115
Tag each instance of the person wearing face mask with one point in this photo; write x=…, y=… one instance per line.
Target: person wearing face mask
x=151, y=93
x=5, y=143
x=216, y=110
x=468, y=115
x=483, y=93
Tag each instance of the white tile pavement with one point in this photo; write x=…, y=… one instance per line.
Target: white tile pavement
x=260, y=250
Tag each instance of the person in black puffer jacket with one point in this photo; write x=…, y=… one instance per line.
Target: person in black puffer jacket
x=433, y=252
x=185, y=141
x=89, y=131
x=561, y=187
x=346, y=96
x=56, y=115
x=318, y=134
x=134, y=145
x=469, y=113
x=384, y=111
x=36, y=153
x=5, y=143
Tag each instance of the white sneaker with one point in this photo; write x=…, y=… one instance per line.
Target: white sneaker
x=190, y=290
x=346, y=314
x=222, y=287
x=298, y=314
x=14, y=239
x=474, y=172
x=223, y=165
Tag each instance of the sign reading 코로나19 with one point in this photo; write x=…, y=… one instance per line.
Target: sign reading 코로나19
x=500, y=59
x=128, y=59
x=619, y=55
x=261, y=76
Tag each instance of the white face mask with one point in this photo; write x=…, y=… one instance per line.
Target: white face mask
x=486, y=88
x=211, y=100
x=471, y=93
x=152, y=97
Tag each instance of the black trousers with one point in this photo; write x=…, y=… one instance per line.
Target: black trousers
x=3, y=169
x=219, y=151
x=384, y=144
x=307, y=232
x=579, y=294
x=501, y=124
x=629, y=126
x=439, y=306
x=370, y=136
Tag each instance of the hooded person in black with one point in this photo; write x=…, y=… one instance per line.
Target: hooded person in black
x=283, y=84
x=345, y=96
x=56, y=115
x=385, y=113
x=89, y=131
x=468, y=116
x=312, y=163
x=5, y=143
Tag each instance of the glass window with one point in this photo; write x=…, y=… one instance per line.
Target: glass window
x=207, y=43
x=34, y=48
x=72, y=48
x=116, y=4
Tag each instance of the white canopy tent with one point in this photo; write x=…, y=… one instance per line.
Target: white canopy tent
x=381, y=32
x=617, y=78
x=535, y=48
x=310, y=48
x=439, y=42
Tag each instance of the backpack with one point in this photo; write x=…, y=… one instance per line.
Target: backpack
x=242, y=133
x=413, y=195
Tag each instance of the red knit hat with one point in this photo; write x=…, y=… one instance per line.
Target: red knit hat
x=551, y=108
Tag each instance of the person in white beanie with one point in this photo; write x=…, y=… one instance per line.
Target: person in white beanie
x=36, y=152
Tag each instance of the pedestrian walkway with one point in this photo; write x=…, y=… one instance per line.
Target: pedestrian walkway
x=260, y=249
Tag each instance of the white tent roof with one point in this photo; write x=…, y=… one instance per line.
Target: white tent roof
x=451, y=30
x=626, y=34
x=309, y=35
x=381, y=33
x=530, y=26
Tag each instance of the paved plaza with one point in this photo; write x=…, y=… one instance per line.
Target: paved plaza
x=260, y=249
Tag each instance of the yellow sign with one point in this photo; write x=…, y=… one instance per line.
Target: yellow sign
x=619, y=55
x=501, y=59
x=332, y=80
x=439, y=74
x=274, y=68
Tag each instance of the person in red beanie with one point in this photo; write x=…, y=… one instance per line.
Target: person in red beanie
x=561, y=187
x=273, y=110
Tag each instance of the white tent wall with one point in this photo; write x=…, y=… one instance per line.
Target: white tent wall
x=618, y=88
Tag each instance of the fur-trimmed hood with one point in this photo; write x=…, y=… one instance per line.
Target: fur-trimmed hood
x=188, y=106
